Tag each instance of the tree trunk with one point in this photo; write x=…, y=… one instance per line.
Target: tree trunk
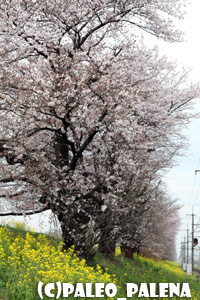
x=74, y=235
x=107, y=247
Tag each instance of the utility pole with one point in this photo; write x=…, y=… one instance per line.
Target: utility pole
x=192, y=248
x=184, y=249
x=192, y=240
x=182, y=254
x=196, y=171
x=187, y=245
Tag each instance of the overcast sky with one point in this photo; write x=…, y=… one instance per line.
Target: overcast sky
x=182, y=182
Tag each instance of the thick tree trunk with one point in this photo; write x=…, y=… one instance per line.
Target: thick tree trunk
x=107, y=247
x=129, y=251
x=79, y=246
x=74, y=235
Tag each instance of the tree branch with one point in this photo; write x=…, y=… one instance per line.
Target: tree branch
x=89, y=139
x=24, y=213
x=102, y=24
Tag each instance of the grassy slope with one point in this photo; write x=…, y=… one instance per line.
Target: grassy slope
x=19, y=229
x=136, y=271
x=146, y=270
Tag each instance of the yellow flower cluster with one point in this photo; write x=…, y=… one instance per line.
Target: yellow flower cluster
x=26, y=261
x=162, y=267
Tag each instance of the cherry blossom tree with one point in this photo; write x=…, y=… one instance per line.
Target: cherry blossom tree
x=88, y=114
x=161, y=225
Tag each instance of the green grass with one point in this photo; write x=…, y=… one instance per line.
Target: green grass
x=21, y=229
x=138, y=270
x=146, y=270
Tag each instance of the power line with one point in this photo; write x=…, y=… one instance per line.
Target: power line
x=198, y=191
x=193, y=187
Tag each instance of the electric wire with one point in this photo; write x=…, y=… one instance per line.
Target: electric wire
x=191, y=203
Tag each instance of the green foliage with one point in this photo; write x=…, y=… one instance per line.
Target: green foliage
x=27, y=258
x=146, y=270
x=25, y=261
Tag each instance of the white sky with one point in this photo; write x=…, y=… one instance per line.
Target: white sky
x=182, y=182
